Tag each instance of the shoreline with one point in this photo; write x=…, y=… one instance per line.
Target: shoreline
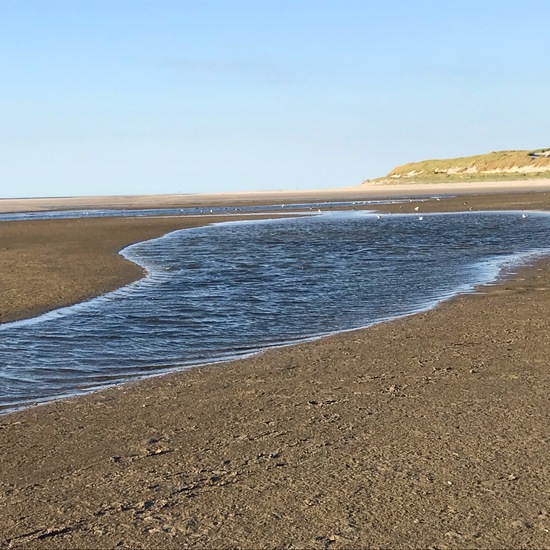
x=518, y=261
x=365, y=191
x=50, y=264
x=425, y=430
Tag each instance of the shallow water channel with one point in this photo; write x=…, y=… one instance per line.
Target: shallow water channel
x=226, y=290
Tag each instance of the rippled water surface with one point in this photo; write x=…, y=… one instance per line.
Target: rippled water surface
x=223, y=291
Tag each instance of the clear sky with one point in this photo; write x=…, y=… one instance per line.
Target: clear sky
x=139, y=97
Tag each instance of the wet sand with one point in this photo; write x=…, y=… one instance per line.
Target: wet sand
x=429, y=431
x=367, y=191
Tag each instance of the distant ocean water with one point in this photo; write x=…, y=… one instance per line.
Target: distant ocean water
x=227, y=290
x=192, y=210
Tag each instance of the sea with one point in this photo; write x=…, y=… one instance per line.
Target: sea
x=231, y=289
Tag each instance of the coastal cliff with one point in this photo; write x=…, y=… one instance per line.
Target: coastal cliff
x=497, y=165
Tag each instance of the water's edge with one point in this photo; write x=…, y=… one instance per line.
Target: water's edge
x=125, y=253
x=495, y=272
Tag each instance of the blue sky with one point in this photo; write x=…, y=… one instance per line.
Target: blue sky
x=140, y=97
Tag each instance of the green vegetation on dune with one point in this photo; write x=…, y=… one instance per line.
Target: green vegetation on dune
x=498, y=165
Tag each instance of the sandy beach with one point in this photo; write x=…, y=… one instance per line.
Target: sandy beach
x=367, y=191
x=426, y=432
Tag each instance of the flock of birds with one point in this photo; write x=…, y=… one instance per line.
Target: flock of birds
x=379, y=216
x=524, y=216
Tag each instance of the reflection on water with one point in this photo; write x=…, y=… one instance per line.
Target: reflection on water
x=226, y=290
x=196, y=211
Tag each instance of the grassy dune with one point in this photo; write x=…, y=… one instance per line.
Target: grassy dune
x=498, y=165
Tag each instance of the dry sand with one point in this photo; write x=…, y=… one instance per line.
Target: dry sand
x=429, y=431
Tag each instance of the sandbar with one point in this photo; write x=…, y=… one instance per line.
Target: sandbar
x=367, y=191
